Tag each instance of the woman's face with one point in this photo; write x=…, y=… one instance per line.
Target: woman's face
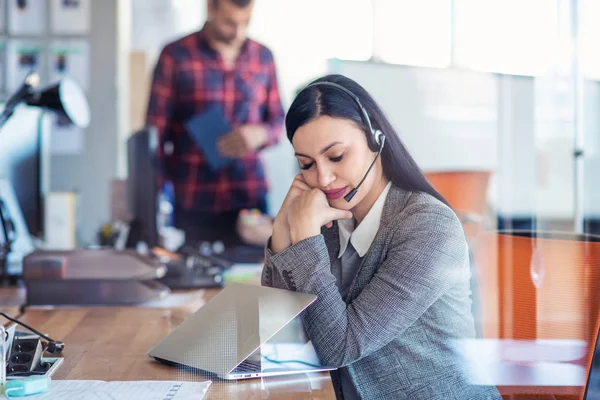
x=334, y=156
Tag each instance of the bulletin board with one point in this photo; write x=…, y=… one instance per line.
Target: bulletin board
x=50, y=37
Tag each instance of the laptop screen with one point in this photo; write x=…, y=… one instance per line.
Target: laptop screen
x=592, y=390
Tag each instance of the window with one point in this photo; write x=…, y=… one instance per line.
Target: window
x=506, y=36
x=590, y=36
x=346, y=26
x=316, y=28
x=414, y=32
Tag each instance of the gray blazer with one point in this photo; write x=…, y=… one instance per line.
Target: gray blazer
x=409, y=301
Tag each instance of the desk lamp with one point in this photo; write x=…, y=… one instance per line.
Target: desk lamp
x=65, y=98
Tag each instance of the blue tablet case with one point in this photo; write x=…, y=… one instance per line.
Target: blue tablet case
x=205, y=129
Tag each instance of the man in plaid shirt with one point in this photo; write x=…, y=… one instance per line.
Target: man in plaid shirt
x=220, y=66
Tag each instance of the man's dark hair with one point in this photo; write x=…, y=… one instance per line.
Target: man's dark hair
x=238, y=3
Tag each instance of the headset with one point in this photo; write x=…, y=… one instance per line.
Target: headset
x=375, y=138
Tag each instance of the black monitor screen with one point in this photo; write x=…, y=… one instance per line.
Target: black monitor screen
x=142, y=186
x=20, y=157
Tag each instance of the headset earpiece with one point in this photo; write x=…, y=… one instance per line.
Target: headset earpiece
x=378, y=140
x=375, y=138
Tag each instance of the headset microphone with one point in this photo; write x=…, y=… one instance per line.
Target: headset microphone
x=352, y=193
x=375, y=138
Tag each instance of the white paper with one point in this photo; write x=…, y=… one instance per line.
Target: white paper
x=70, y=16
x=65, y=138
x=22, y=57
x=244, y=273
x=26, y=17
x=134, y=390
x=70, y=58
x=187, y=299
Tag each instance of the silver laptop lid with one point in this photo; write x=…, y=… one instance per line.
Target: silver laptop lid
x=230, y=327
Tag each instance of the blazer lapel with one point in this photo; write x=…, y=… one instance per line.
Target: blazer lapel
x=332, y=240
x=396, y=200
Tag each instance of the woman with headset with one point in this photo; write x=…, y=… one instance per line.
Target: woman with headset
x=363, y=230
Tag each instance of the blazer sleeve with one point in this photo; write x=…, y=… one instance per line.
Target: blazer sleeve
x=270, y=276
x=426, y=257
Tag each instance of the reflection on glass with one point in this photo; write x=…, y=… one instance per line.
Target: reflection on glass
x=593, y=384
x=536, y=267
x=290, y=349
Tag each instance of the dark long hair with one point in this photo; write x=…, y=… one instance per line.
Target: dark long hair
x=316, y=101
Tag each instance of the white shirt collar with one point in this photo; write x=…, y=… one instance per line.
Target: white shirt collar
x=364, y=234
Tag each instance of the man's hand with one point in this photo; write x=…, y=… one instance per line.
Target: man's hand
x=242, y=140
x=254, y=229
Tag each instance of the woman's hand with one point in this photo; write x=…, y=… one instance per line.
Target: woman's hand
x=309, y=212
x=281, y=239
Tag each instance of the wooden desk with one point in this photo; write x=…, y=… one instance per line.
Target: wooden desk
x=111, y=344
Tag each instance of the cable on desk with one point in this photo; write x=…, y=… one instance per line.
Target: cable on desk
x=54, y=346
x=292, y=361
x=22, y=310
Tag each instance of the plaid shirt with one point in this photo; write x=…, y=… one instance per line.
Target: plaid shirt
x=189, y=77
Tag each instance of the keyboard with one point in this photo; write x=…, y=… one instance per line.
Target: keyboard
x=248, y=366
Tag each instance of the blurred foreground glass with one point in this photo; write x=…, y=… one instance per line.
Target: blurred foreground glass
x=539, y=301
x=538, y=285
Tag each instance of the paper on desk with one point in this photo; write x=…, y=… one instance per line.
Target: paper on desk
x=244, y=273
x=194, y=297
x=134, y=390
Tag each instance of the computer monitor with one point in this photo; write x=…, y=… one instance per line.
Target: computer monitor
x=142, y=187
x=20, y=164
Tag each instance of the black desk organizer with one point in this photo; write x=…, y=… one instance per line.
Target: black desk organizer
x=195, y=271
x=198, y=270
x=103, y=277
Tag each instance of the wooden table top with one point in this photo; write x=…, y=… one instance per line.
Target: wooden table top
x=111, y=344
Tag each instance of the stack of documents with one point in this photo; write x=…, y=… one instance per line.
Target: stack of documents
x=134, y=390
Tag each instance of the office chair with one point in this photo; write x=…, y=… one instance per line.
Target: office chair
x=538, y=285
x=465, y=191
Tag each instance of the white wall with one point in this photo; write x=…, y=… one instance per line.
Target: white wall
x=449, y=119
x=519, y=127
x=592, y=149
x=446, y=118
x=90, y=172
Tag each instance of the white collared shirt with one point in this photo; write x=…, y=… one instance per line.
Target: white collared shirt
x=362, y=237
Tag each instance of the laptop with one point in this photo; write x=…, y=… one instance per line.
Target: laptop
x=592, y=387
x=245, y=331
